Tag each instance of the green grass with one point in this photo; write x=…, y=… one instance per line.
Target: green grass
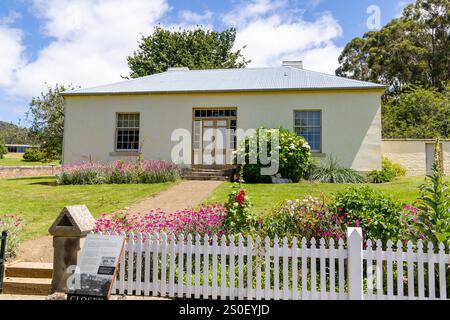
x=267, y=196
x=39, y=200
x=16, y=159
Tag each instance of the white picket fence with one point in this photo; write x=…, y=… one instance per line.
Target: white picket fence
x=158, y=265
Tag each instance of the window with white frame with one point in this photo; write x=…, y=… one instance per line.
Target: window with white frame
x=127, y=132
x=308, y=124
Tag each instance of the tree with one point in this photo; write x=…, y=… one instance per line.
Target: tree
x=195, y=49
x=47, y=121
x=417, y=113
x=15, y=134
x=413, y=49
x=3, y=149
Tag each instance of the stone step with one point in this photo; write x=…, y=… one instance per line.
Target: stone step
x=29, y=270
x=210, y=178
x=27, y=286
x=208, y=174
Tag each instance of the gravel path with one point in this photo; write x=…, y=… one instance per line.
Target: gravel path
x=185, y=194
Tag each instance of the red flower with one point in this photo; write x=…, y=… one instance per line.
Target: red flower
x=240, y=197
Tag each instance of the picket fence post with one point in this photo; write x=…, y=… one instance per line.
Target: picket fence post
x=355, y=263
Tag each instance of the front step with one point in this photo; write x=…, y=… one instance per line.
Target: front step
x=27, y=286
x=208, y=174
x=29, y=270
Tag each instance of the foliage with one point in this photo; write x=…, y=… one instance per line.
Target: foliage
x=195, y=49
x=418, y=113
x=15, y=134
x=331, y=171
x=240, y=216
x=434, y=202
x=388, y=172
x=207, y=220
x=12, y=224
x=294, y=155
x=413, y=49
x=119, y=172
x=3, y=149
x=379, y=215
x=47, y=121
x=33, y=154
x=303, y=218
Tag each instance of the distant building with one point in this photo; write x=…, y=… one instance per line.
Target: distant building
x=18, y=148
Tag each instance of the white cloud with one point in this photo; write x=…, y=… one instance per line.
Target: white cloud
x=11, y=48
x=272, y=34
x=190, y=17
x=92, y=39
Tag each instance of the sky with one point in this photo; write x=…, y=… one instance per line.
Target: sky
x=85, y=42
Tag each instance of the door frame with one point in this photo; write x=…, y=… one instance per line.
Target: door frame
x=202, y=119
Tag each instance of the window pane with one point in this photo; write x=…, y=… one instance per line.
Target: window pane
x=127, y=131
x=308, y=125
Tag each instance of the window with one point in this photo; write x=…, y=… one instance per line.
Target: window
x=308, y=125
x=127, y=132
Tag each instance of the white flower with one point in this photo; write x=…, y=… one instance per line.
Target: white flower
x=292, y=146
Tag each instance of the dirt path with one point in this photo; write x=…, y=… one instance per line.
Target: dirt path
x=183, y=195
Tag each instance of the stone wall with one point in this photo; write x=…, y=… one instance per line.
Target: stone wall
x=27, y=171
x=412, y=155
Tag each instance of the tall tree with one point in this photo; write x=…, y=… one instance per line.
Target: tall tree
x=414, y=48
x=195, y=49
x=47, y=120
x=417, y=113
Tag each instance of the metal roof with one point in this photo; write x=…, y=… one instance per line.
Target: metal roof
x=222, y=80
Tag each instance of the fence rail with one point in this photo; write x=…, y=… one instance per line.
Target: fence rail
x=229, y=268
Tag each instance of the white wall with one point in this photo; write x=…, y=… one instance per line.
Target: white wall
x=351, y=121
x=411, y=154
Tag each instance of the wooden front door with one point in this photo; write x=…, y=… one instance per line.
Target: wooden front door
x=214, y=142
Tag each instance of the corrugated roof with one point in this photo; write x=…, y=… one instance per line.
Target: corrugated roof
x=222, y=80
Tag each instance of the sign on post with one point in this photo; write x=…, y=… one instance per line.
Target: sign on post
x=95, y=273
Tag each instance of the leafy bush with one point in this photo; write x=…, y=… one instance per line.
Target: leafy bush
x=294, y=156
x=119, y=172
x=388, y=172
x=3, y=149
x=434, y=202
x=303, y=218
x=207, y=220
x=33, y=154
x=12, y=224
x=331, y=171
x=380, y=216
x=240, y=217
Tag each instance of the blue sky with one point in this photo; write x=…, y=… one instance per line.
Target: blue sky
x=85, y=42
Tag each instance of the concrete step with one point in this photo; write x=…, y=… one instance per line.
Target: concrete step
x=27, y=286
x=210, y=178
x=29, y=270
x=206, y=174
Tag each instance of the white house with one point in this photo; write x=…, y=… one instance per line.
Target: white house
x=337, y=116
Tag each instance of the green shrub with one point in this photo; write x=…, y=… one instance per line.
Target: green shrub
x=294, y=156
x=434, y=202
x=3, y=149
x=34, y=155
x=302, y=218
x=388, y=172
x=331, y=171
x=240, y=217
x=380, y=216
x=13, y=225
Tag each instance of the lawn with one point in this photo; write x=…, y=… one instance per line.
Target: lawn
x=15, y=159
x=39, y=200
x=266, y=196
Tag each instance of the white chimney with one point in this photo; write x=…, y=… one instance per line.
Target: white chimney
x=293, y=64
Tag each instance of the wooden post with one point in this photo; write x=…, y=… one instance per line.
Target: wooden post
x=355, y=263
x=3, y=239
